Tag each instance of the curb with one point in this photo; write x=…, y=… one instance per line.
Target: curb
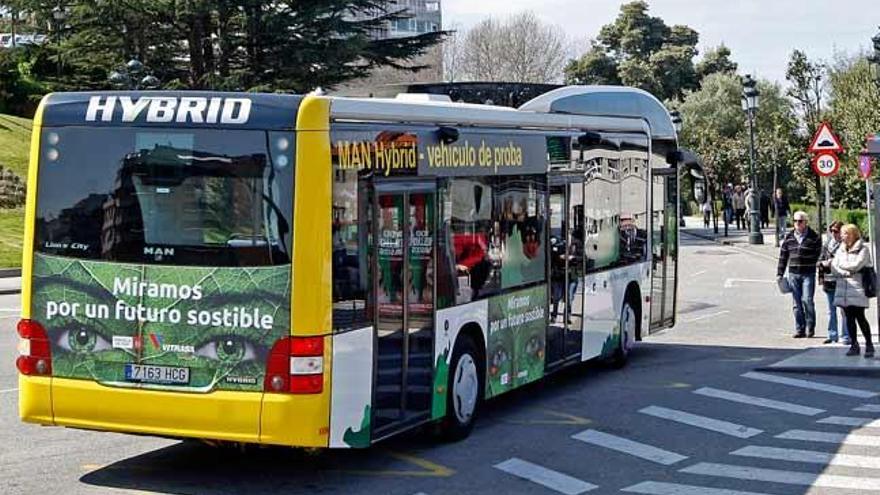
x=10, y=272
x=838, y=371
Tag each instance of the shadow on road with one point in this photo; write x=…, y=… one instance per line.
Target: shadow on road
x=654, y=372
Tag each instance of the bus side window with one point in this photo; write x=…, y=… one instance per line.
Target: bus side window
x=351, y=253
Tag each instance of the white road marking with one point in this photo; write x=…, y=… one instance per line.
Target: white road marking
x=809, y=456
x=868, y=408
x=8, y=390
x=706, y=316
x=758, y=401
x=787, y=477
x=699, y=273
x=823, y=387
x=716, y=425
x=659, y=488
x=728, y=283
x=835, y=438
x=10, y=310
x=620, y=444
x=553, y=480
x=850, y=421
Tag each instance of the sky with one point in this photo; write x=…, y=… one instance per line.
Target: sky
x=761, y=34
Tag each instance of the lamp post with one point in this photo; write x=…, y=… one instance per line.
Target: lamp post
x=132, y=77
x=876, y=57
x=58, y=14
x=750, y=106
x=675, y=116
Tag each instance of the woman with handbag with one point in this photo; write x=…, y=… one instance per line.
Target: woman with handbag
x=829, y=285
x=852, y=259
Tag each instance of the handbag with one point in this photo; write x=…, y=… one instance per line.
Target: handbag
x=869, y=281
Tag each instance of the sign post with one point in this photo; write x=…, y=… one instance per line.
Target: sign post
x=825, y=146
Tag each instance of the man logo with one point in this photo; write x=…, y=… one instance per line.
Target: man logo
x=164, y=109
x=158, y=251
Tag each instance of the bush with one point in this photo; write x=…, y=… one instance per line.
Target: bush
x=859, y=217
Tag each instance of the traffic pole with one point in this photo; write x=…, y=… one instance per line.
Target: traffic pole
x=827, y=204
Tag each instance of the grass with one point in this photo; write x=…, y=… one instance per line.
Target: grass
x=11, y=234
x=15, y=142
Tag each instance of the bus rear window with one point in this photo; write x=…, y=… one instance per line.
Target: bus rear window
x=186, y=197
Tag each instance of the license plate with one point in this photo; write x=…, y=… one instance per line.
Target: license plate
x=156, y=374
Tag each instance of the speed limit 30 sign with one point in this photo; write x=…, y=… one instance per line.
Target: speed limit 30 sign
x=826, y=164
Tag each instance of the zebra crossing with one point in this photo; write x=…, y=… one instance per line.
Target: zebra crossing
x=787, y=458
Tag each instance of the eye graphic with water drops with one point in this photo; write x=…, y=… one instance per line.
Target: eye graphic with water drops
x=82, y=340
x=231, y=349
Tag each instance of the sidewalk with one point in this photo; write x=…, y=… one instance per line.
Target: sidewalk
x=735, y=237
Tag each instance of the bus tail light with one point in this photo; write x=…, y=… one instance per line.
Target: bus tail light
x=35, y=356
x=296, y=365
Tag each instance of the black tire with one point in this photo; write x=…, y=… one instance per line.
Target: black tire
x=630, y=314
x=462, y=407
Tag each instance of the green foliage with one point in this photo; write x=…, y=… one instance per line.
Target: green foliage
x=19, y=90
x=857, y=216
x=15, y=141
x=642, y=51
x=225, y=44
x=716, y=60
x=716, y=128
x=11, y=235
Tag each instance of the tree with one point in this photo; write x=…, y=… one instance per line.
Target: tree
x=715, y=127
x=716, y=60
x=231, y=44
x=853, y=102
x=518, y=49
x=642, y=51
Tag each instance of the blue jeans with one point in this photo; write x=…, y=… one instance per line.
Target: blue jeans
x=832, y=320
x=803, y=287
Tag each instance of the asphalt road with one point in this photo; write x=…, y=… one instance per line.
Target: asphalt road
x=680, y=415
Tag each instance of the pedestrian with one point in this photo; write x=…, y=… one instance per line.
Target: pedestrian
x=727, y=205
x=799, y=251
x=751, y=207
x=765, y=210
x=850, y=295
x=739, y=207
x=781, y=210
x=707, y=212
x=829, y=284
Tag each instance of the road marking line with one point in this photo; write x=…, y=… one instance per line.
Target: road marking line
x=758, y=401
x=564, y=419
x=10, y=310
x=553, y=480
x=835, y=438
x=810, y=456
x=717, y=425
x=728, y=283
x=8, y=390
x=850, y=421
x=824, y=387
x=698, y=273
x=868, y=408
x=787, y=477
x=620, y=444
x=706, y=316
x=660, y=488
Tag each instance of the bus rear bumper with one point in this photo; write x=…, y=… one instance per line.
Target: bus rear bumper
x=248, y=417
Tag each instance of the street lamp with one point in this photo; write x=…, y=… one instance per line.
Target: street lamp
x=131, y=77
x=876, y=57
x=750, y=96
x=58, y=14
x=675, y=116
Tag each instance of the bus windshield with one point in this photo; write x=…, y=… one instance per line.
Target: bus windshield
x=162, y=196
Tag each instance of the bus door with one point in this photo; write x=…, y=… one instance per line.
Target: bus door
x=404, y=294
x=566, y=268
x=664, y=248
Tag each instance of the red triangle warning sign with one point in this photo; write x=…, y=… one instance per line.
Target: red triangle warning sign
x=825, y=140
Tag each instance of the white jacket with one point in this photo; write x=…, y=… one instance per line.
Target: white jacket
x=847, y=267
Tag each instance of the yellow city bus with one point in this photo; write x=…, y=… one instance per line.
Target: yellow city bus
x=325, y=272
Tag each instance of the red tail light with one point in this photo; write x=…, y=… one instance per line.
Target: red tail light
x=296, y=366
x=35, y=355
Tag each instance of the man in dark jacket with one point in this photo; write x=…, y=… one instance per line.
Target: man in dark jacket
x=800, y=251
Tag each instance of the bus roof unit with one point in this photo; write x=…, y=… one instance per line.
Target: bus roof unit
x=608, y=101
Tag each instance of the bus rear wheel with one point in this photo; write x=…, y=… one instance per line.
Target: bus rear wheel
x=464, y=390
